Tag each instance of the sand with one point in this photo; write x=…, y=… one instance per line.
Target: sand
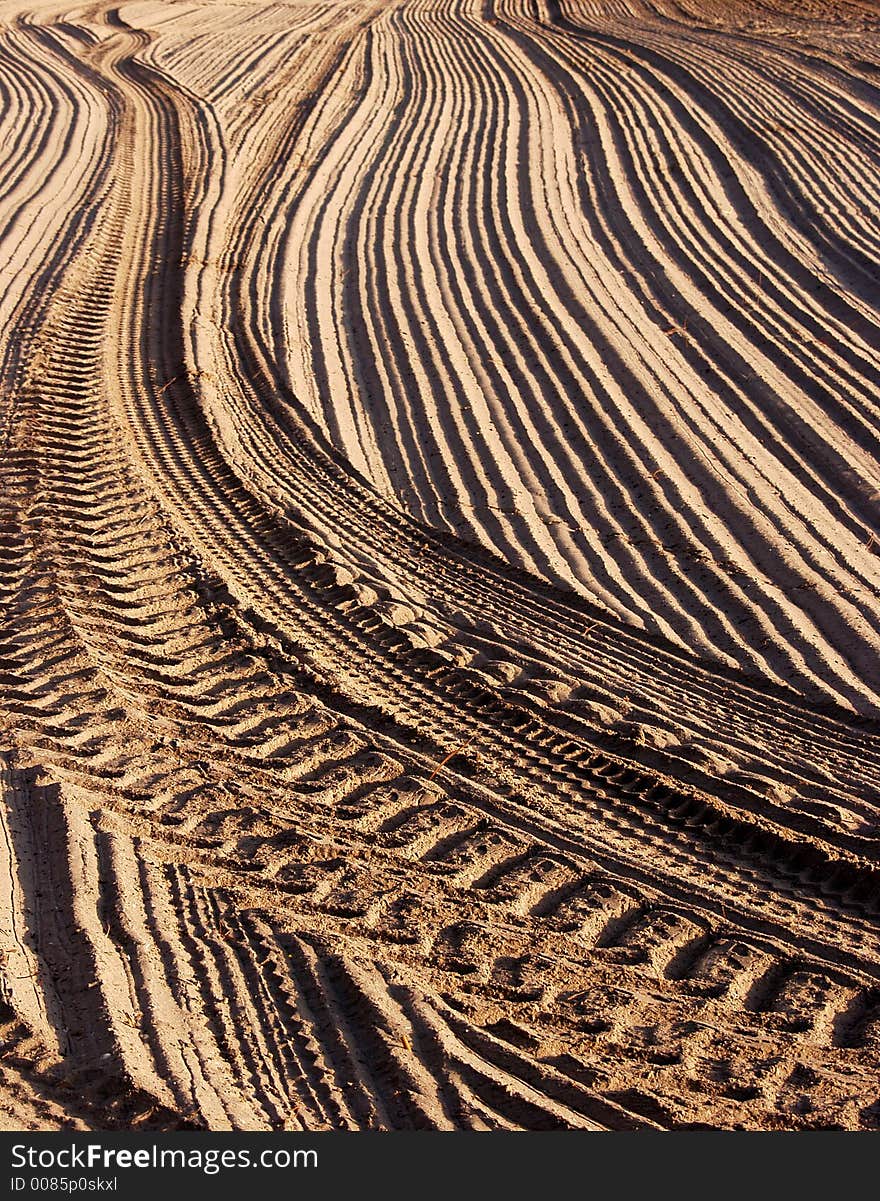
x=440, y=565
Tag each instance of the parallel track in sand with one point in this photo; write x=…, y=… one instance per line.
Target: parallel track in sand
x=438, y=556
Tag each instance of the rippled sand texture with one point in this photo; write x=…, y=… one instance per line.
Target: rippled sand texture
x=440, y=564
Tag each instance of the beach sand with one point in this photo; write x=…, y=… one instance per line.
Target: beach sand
x=440, y=565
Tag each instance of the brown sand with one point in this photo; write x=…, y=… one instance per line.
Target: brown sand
x=440, y=564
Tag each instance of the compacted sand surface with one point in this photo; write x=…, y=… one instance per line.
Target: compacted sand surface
x=440, y=564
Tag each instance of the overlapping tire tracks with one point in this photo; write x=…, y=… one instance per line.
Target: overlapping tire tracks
x=317, y=817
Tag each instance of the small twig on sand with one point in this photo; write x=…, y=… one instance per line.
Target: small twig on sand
x=451, y=755
x=165, y=387
x=580, y=994
x=677, y=329
x=421, y=792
